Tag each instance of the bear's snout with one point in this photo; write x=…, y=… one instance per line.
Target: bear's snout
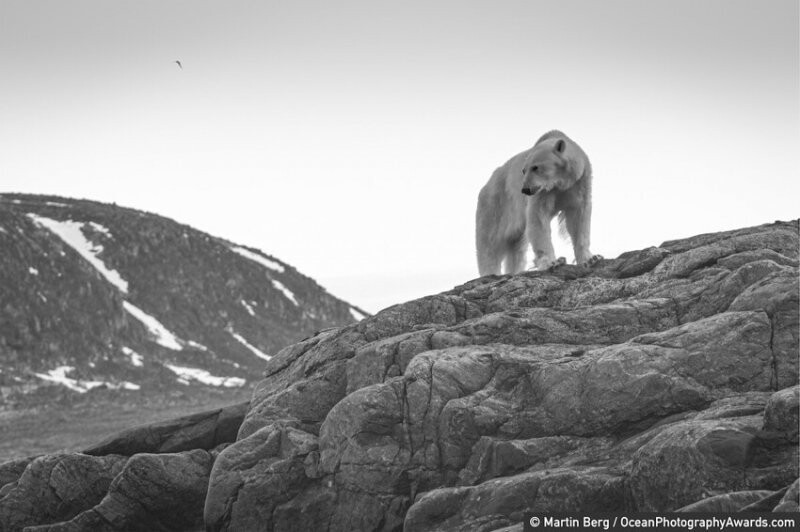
x=530, y=191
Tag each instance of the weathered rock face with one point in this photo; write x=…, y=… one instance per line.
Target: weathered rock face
x=152, y=492
x=664, y=379
x=57, y=487
x=153, y=477
x=205, y=430
x=639, y=384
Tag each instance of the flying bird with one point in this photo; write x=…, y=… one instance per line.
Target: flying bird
x=179, y=64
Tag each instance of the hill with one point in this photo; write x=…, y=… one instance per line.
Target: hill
x=663, y=380
x=100, y=296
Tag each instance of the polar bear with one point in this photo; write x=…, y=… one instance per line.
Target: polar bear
x=520, y=200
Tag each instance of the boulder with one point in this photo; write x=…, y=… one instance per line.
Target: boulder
x=58, y=487
x=152, y=492
x=204, y=430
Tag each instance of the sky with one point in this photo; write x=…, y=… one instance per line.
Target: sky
x=350, y=138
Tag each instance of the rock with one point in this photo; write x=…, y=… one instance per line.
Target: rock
x=782, y=500
x=58, y=487
x=204, y=430
x=791, y=500
x=281, y=459
x=503, y=502
x=491, y=457
x=670, y=352
x=10, y=473
x=727, y=503
x=695, y=459
x=766, y=503
x=664, y=379
x=152, y=492
x=783, y=413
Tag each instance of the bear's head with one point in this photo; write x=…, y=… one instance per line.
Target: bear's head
x=547, y=167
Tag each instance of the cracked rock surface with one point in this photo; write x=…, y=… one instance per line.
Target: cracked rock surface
x=665, y=379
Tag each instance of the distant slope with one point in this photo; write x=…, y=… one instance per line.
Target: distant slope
x=93, y=294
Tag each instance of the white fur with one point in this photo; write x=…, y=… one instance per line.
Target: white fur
x=508, y=220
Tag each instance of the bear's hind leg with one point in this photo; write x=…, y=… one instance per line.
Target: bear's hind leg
x=490, y=261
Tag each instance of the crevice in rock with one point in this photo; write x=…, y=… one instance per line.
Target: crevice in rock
x=224, y=520
x=773, y=382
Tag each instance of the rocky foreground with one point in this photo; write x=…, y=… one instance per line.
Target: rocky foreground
x=665, y=379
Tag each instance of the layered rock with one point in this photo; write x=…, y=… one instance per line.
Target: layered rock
x=545, y=391
x=664, y=379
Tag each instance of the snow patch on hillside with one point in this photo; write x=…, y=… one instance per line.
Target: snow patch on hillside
x=188, y=374
x=100, y=229
x=162, y=335
x=358, y=316
x=72, y=235
x=286, y=292
x=256, y=351
x=249, y=307
x=59, y=376
x=271, y=264
x=136, y=358
x=196, y=345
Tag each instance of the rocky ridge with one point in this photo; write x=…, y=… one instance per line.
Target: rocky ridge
x=93, y=294
x=663, y=380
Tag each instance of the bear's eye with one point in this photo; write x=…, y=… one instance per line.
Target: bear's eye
x=534, y=168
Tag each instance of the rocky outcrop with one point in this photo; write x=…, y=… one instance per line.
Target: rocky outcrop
x=152, y=492
x=204, y=430
x=664, y=379
x=57, y=487
x=153, y=477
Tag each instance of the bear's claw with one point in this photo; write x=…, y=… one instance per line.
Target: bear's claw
x=560, y=261
x=594, y=259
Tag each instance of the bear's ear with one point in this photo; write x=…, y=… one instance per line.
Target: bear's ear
x=560, y=146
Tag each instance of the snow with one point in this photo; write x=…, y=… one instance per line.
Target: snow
x=3, y=230
x=162, y=334
x=249, y=307
x=70, y=232
x=257, y=352
x=356, y=314
x=196, y=345
x=186, y=374
x=271, y=264
x=100, y=229
x=32, y=270
x=59, y=376
x=136, y=358
x=55, y=204
x=288, y=293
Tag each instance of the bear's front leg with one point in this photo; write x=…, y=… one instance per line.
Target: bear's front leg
x=538, y=228
x=578, y=223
